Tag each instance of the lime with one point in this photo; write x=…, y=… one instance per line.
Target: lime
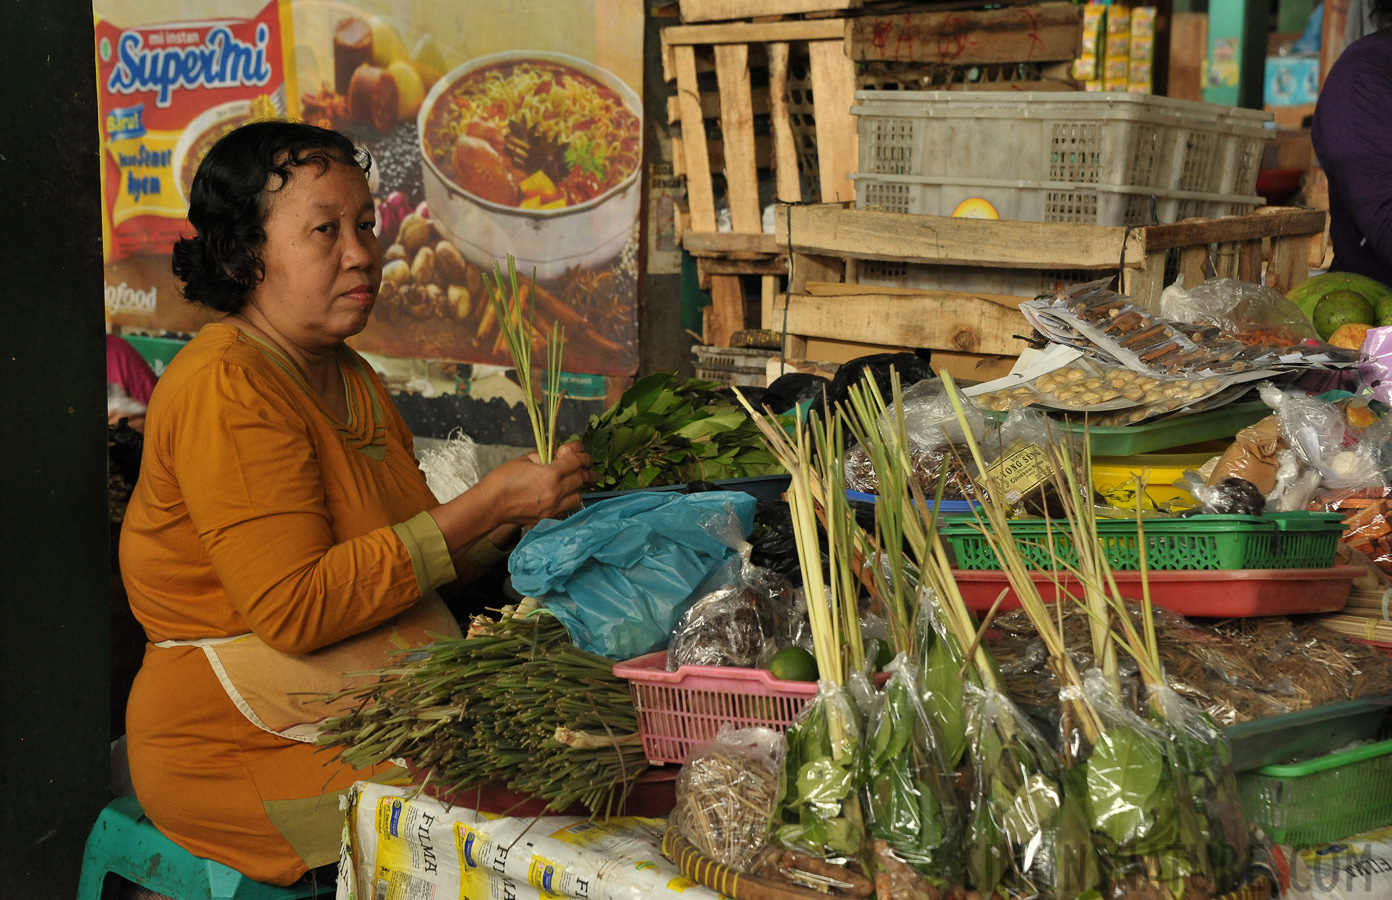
x=1384, y=311
x=1340, y=308
x=793, y=664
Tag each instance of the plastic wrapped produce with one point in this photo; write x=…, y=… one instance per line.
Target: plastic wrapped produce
x=727, y=795
x=1159, y=804
x=936, y=445
x=914, y=815
x=742, y=624
x=821, y=814
x=1027, y=832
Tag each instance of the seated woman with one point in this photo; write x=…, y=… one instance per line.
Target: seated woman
x=282, y=534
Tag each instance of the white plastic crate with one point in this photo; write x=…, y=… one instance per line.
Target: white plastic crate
x=737, y=366
x=1031, y=201
x=1117, y=139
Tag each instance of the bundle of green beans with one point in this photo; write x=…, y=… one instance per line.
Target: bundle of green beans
x=515, y=703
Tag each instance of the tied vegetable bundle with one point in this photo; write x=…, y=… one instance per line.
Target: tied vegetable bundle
x=515, y=703
x=668, y=430
x=1160, y=805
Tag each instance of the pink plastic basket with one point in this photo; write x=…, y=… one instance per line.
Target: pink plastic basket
x=678, y=710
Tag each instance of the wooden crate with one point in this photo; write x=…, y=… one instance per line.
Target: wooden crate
x=980, y=333
x=779, y=102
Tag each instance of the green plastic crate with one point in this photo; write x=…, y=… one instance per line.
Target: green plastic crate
x=1324, y=799
x=1293, y=540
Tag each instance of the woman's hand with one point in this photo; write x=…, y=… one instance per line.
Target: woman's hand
x=529, y=491
x=520, y=492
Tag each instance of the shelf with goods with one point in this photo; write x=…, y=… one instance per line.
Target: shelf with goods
x=772, y=102
x=972, y=333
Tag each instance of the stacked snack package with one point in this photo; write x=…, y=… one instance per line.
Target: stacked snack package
x=1087, y=68
x=1117, y=57
x=1142, y=50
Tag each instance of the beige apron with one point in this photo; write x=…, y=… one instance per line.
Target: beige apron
x=285, y=694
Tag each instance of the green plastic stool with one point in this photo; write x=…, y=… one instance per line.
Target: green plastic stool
x=125, y=843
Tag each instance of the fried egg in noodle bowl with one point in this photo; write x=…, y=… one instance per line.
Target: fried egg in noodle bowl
x=532, y=134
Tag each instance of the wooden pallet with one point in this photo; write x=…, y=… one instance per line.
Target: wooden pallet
x=976, y=335
x=779, y=104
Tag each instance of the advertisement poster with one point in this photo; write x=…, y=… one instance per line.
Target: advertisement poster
x=495, y=129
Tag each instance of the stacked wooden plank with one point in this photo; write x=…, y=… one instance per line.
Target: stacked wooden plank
x=769, y=102
x=830, y=316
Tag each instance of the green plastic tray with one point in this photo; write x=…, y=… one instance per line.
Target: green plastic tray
x=1324, y=799
x=1179, y=431
x=1305, y=733
x=1293, y=540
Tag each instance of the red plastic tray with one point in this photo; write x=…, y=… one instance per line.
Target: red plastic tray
x=1231, y=593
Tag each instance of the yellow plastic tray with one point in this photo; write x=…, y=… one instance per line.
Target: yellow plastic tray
x=1114, y=478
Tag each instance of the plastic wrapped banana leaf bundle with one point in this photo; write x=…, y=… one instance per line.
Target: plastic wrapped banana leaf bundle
x=1027, y=834
x=915, y=817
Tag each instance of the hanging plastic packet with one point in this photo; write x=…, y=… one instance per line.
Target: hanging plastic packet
x=1027, y=833
x=739, y=624
x=727, y=795
x=916, y=820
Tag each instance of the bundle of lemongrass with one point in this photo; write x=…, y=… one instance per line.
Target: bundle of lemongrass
x=1158, y=793
x=511, y=304
x=824, y=767
x=515, y=703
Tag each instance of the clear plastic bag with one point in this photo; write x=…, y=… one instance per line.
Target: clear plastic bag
x=1203, y=756
x=941, y=662
x=1238, y=307
x=1321, y=437
x=727, y=795
x=820, y=814
x=1146, y=820
x=1027, y=834
x=741, y=624
x=914, y=814
x=936, y=442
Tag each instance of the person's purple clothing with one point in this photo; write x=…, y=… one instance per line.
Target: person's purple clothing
x=1353, y=139
x=126, y=367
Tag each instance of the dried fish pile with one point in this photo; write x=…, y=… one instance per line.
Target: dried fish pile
x=1236, y=669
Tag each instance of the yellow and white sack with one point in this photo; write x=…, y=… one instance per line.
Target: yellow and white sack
x=400, y=847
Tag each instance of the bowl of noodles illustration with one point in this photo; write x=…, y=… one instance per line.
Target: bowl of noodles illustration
x=535, y=154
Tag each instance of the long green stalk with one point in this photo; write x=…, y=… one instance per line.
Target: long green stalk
x=513, y=307
x=995, y=528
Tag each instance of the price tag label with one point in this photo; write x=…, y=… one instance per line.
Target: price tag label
x=1020, y=469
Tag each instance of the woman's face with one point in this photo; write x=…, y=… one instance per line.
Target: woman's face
x=323, y=262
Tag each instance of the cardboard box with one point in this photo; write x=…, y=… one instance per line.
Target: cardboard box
x=1292, y=80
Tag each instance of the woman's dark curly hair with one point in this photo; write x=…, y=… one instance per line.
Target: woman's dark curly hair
x=221, y=263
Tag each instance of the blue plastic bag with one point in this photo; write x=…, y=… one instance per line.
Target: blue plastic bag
x=620, y=574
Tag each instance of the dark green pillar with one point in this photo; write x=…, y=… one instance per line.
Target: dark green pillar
x=54, y=593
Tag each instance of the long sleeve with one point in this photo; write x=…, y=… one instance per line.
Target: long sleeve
x=1352, y=136
x=256, y=514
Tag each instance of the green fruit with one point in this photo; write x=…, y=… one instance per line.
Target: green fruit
x=1341, y=308
x=1309, y=292
x=793, y=664
x=1383, y=309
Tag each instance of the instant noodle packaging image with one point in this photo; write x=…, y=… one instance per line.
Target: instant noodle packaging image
x=166, y=91
x=401, y=844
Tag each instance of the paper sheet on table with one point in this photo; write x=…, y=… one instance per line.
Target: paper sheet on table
x=400, y=847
